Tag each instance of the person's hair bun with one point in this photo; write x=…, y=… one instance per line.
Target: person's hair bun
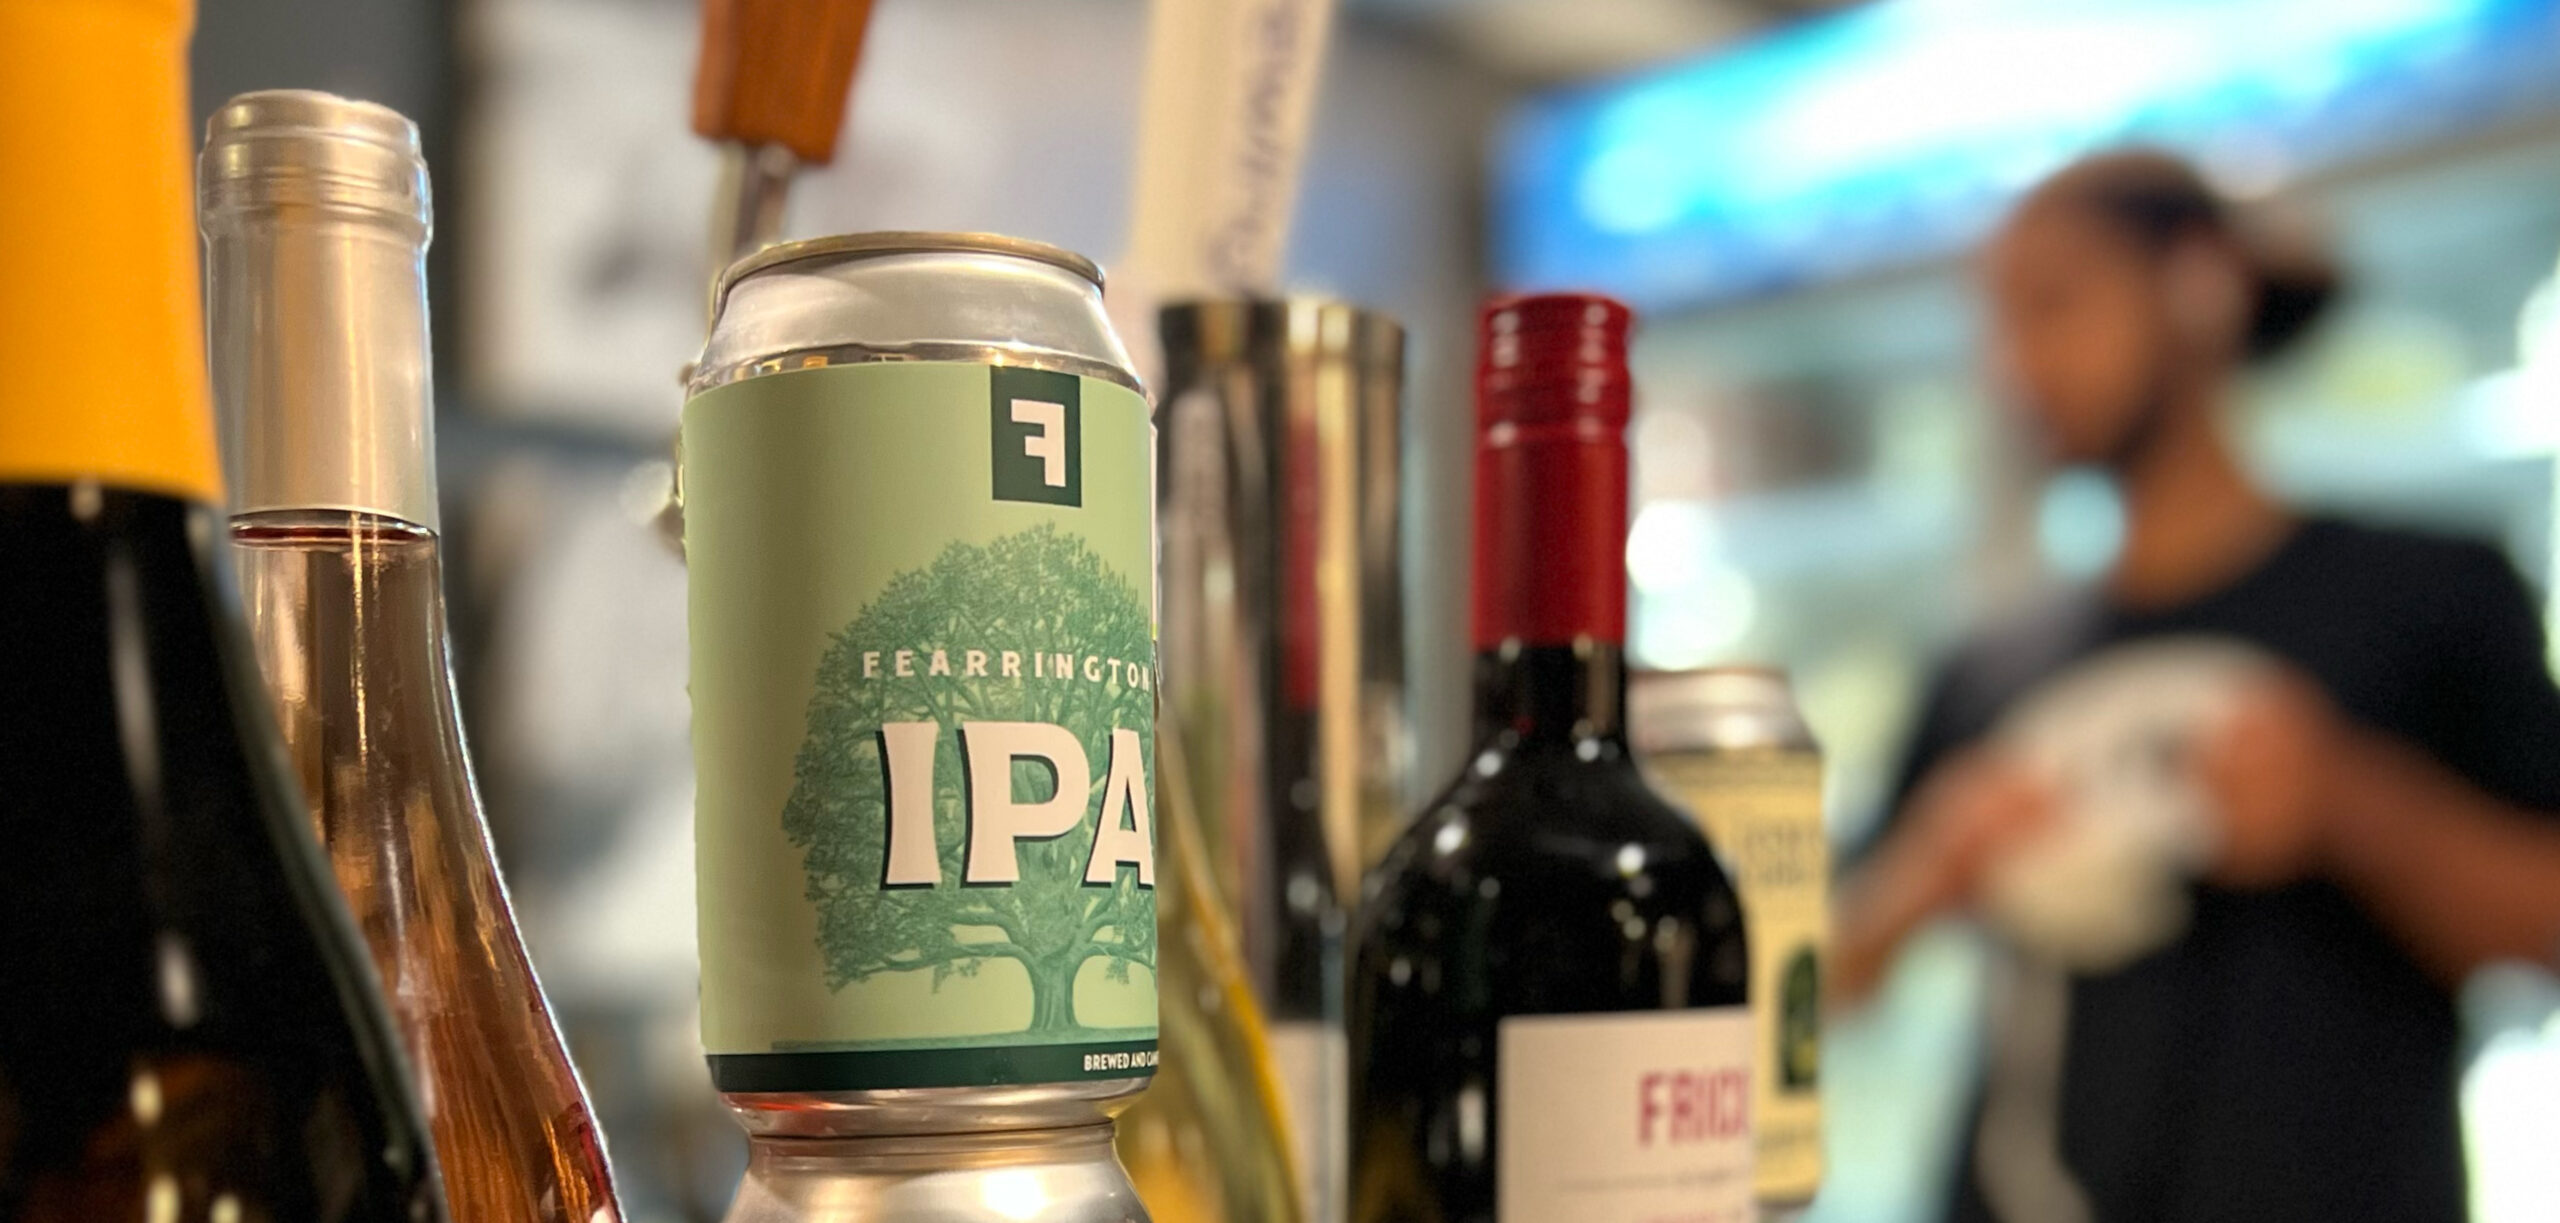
x=2296, y=281
x=2157, y=198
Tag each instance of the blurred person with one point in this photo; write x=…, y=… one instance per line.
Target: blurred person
x=2387, y=798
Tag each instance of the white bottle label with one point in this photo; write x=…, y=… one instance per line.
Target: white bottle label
x=1626, y=1117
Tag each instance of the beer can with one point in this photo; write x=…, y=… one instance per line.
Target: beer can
x=1728, y=744
x=918, y=492
x=1048, y=1176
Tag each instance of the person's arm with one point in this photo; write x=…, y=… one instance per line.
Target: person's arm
x=2453, y=845
x=1881, y=905
x=1955, y=804
x=2460, y=877
x=1962, y=816
x=2470, y=881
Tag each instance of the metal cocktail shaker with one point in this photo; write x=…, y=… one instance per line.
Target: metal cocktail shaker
x=1282, y=646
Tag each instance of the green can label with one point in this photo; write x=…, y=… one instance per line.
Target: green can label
x=923, y=678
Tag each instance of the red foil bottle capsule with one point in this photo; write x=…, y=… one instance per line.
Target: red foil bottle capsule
x=1551, y=470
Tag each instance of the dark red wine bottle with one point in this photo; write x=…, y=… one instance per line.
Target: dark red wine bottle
x=1547, y=995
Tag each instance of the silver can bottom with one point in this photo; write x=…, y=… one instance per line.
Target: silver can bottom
x=931, y=1110
x=1025, y=1176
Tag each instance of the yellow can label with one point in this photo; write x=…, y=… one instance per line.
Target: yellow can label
x=1763, y=810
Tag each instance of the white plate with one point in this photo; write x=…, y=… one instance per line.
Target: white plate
x=2114, y=737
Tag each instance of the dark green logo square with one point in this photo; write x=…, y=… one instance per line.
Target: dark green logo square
x=1035, y=417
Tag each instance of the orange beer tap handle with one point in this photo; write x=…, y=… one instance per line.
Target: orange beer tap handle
x=776, y=72
x=770, y=88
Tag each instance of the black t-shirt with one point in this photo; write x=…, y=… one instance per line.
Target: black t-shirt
x=2284, y=1059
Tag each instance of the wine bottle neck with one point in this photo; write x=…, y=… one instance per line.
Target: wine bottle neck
x=1551, y=473
x=1553, y=694
x=347, y=612
x=316, y=222
x=1551, y=524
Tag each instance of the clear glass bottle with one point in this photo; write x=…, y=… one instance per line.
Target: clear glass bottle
x=316, y=217
x=1207, y=1142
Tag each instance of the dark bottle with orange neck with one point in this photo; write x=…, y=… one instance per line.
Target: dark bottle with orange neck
x=189, y=1029
x=1547, y=994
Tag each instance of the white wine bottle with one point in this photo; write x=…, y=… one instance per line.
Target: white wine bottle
x=1207, y=1141
x=316, y=216
x=191, y=1033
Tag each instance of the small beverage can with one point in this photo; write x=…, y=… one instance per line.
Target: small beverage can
x=1729, y=744
x=918, y=493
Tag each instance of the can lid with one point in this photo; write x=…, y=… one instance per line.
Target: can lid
x=1714, y=708
x=840, y=247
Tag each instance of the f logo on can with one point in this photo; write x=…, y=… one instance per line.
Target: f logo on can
x=1035, y=419
x=1049, y=445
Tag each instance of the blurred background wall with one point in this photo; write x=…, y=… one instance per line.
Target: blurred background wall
x=1821, y=482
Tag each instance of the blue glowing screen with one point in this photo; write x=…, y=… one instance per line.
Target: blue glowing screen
x=1897, y=131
